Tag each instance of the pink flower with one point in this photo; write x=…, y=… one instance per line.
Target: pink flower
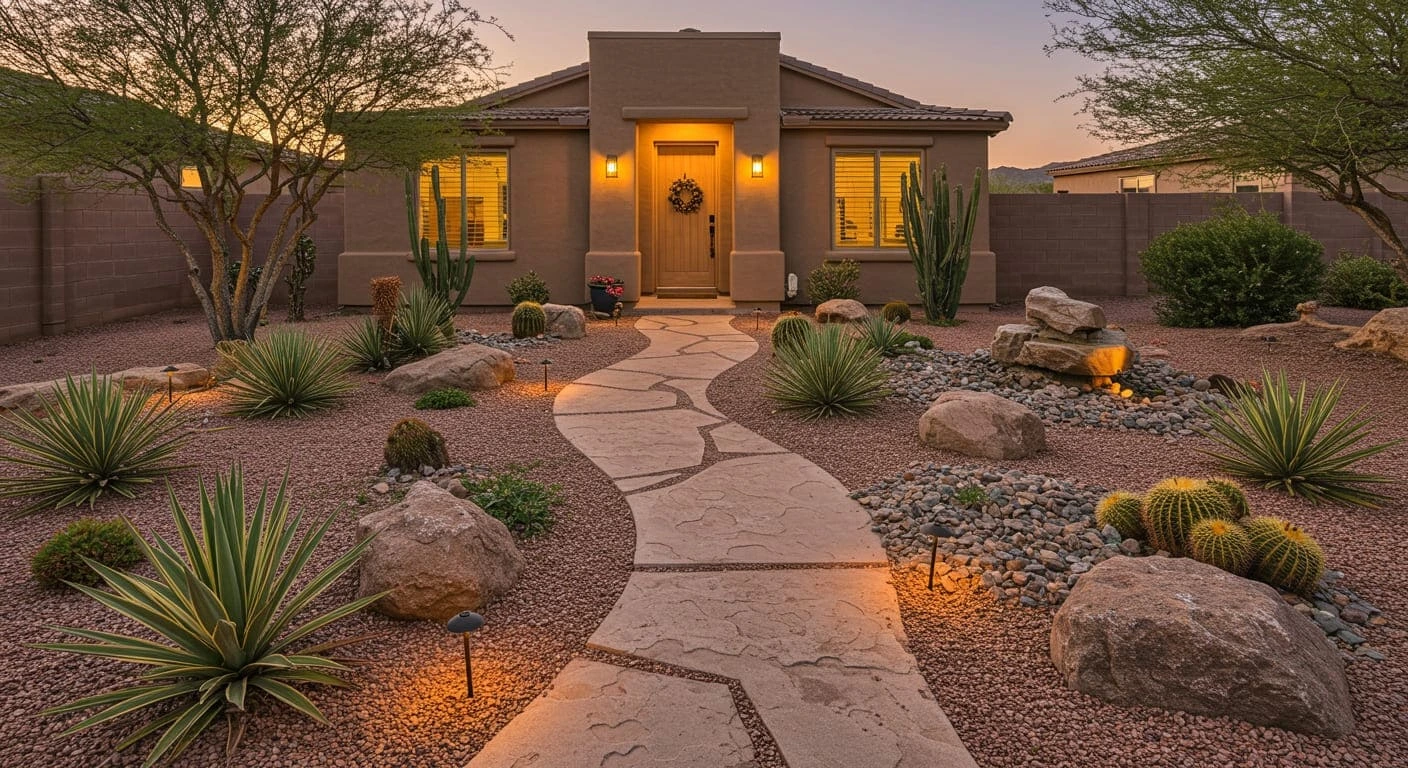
x=616, y=291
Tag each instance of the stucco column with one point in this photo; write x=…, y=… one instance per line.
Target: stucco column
x=613, y=249
x=757, y=268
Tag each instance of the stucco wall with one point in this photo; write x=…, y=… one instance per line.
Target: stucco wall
x=800, y=90
x=1173, y=179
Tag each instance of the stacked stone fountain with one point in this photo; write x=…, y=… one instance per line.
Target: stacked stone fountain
x=1064, y=336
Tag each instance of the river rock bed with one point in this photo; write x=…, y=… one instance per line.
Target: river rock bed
x=1031, y=537
x=504, y=340
x=1154, y=396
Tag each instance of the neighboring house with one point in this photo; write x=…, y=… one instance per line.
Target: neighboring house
x=794, y=164
x=1148, y=169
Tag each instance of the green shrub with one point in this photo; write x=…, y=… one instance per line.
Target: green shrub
x=1223, y=544
x=882, y=336
x=61, y=559
x=1363, y=282
x=1235, y=269
x=93, y=439
x=442, y=399
x=1124, y=511
x=1279, y=439
x=423, y=326
x=528, y=320
x=791, y=329
x=1285, y=556
x=829, y=373
x=523, y=504
x=231, y=609
x=924, y=341
x=896, y=312
x=528, y=287
x=1174, y=506
x=834, y=280
x=970, y=496
x=365, y=345
x=287, y=373
x=412, y=444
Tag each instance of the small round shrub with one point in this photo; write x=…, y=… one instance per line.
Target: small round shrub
x=520, y=502
x=529, y=287
x=412, y=444
x=442, y=399
x=790, y=330
x=1364, y=282
x=896, y=312
x=1122, y=510
x=924, y=341
x=109, y=542
x=834, y=280
x=1235, y=269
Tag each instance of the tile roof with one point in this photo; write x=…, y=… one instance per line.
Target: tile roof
x=537, y=83
x=533, y=113
x=1127, y=156
x=923, y=112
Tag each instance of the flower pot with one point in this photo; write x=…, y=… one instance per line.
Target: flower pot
x=601, y=300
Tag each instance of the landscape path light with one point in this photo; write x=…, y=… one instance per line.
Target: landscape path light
x=463, y=623
x=934, y=531
x=546, y=362
x=170, y=372
x=757, y=318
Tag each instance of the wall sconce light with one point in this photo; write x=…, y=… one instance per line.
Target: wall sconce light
x=757, y=166
x=170, y=371
x=613, y=167
x=933, y=530
x=546, y=362
x=465, y=622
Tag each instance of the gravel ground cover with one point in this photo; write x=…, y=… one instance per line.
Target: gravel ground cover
x=407, y=706
x=987, y=662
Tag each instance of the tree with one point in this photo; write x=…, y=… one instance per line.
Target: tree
x=1313, y=89
x=256, y=96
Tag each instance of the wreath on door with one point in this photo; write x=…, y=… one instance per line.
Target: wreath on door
x=685, y=195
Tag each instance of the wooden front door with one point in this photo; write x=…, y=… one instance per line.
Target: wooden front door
x=686, y=242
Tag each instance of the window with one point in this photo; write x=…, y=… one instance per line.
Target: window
x=1137, y=184
x=190, y=177
x=866, y=186
x=475, y=188
x=1246, y=186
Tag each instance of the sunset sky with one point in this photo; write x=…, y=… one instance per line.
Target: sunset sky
x=969, y=53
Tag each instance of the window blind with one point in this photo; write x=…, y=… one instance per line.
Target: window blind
x=476, y=184
x=866, y=190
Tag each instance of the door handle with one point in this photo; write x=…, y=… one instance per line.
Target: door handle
x=711, y=235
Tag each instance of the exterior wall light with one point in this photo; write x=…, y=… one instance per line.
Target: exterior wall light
x=613, y=167
x=933, y=530
x=463, y=623
x=757, y=166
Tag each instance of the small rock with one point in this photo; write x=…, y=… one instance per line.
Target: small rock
x=381, y=487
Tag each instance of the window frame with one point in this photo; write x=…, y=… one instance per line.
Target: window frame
x=504, y=191
x=834, y=205
x=1153, y=184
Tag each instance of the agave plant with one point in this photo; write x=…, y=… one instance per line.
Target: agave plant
x=366, y=346
x=827, y=373
x=421, y=327
x=93, y=439
x=1279, y=439
x=883, y=336
x=227, y=617
x=287, y=373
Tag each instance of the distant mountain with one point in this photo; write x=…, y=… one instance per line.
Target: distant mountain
x=1007, y=179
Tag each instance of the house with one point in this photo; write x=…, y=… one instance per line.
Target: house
x=691, y=164
x=1150, y=169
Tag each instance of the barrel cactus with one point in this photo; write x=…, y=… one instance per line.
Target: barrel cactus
x=1232, y=491
x=896, y=312
x=412, y=444
x=790, y=330
x=1223, y=544
x=1122, y=510
x=1285, y=556
x=1174, y=506
x=529, y=319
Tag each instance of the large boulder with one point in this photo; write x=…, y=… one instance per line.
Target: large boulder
x=436, y=555
x=982, y=424
x=468, y=366
x=30, y=396
x=841, y=311
x=1386, y=333
x=566, y=321
x=1051, y=307
x=1007, y=344
x=1106, y=354
x=1178, y=634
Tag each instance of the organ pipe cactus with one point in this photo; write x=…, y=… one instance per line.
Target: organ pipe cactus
x=443, y=276
x=938, y=228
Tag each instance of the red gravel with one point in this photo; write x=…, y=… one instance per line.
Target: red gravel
x=988, y=664
x=408, y=707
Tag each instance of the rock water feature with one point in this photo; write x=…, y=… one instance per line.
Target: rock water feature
x=1065, y=336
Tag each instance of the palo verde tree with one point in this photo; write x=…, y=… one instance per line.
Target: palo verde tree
x=262, y=98
x=1314, y=89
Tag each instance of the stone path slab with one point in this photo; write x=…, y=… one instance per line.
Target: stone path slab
x=643, y=443
x=585, y=398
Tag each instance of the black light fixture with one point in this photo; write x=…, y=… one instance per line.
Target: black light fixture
x=170, y=372
x=463, y=623
x=546, y=362
x=757, y=318
x=934, y=531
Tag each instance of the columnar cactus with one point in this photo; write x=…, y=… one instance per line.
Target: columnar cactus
x=790, y=330
x=1232, y=491
x=1174, y=506
x=529, y=320
x=1223, y=544
x=938, y=228
x=1122, y=510
x=412, y=444
x=445, y=277
x=1285, y=556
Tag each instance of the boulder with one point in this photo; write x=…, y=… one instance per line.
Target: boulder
x=565, y=321
x=468, y=366
x=1008, y=342
x=30, y=396
x=982, y=424
x=1386, y=333
x=1107, y=354
x=841, y=311
x=1051, y=307
x=1178, y=634
x=436, y=555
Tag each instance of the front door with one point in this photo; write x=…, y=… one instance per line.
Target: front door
x=686, y=220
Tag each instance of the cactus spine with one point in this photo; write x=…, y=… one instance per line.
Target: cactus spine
x=1122, y=510
x=1174, y=506
x=386, y=296
x=412, y=444
x=1232, y=491
x=938, y=229
x=1223, y=544
x=896, y=312
x=529, y=319
x=790, y=330
x=445, y=277
x=1285, y=556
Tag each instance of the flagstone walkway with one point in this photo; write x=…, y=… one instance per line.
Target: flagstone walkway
x=817, y=646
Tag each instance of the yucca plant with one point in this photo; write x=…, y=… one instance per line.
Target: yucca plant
x=882, y=335
x=94, y=438
x=366, y=346
x=420, y=327
x=1280, y=438
x=287, y=373
x=227, y=609
x=826, y=373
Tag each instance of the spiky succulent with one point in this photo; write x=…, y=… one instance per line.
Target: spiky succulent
x=1174, y=506
x=1122, y=510
x=529, y=320
x=829, y=373
x=1232, y=491
x=1284, y=555
x=412, y=444
x=287, y=373
x=896, y=312
x=1221, y=543
x=790, y=331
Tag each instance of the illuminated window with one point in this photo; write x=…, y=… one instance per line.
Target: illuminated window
x=1137, y=184
x=1246, y=186
x=190, y=177
x=866, y=189
x=475, y=188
